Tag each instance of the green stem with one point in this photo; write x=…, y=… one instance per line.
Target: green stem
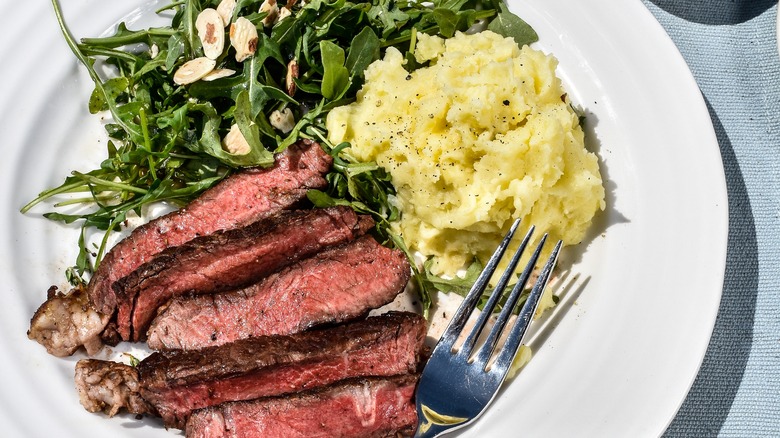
x=104, y=240
x=110, y=184
x=170, y=6
x=49, y=193
x=74, y=47
x=147, y=140
x=141, y=36
x=183, y=156
x=102, y=51
x=101, y=199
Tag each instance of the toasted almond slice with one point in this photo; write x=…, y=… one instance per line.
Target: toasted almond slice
x=292, y=74
x=211, y=32
x=272, y=8
x=283, y=13
x=235, y=143
x=282, y=120
x=225, y=10
x=243, y=36
x=194, y=70
x=218, y=73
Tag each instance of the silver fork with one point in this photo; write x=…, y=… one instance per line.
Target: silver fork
x=457, y=386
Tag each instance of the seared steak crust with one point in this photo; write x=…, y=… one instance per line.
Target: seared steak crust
x=229, y=259
x=178, y=382
x=359, y=408
x=335, y=285
x=237, y=201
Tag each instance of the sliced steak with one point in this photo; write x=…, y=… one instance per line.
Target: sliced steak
x=239, y=200
x=229, y=259
x=175, y=383
x=335, y=285
x=359, y=408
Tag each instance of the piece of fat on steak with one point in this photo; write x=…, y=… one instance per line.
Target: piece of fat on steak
x=177, y=382
x=66, y=321
x=109, y=387
x=358, y=408
x=335, y=285
x=228, y=260
x=239, y=200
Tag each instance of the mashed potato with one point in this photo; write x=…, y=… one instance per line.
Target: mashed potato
x=481, y=136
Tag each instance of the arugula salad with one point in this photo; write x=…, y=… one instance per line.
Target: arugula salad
x=178, y=100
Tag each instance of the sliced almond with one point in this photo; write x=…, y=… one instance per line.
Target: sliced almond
x=243, y=36
x=282, y=120
x=218, y=73
x=211, y=32
x=283, y=13
x=292, y=73
x=272, y=8
x=235, y=143
x=194, y=70
x=225, y=10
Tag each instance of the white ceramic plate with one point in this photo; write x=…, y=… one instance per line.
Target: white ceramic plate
x=636, y=322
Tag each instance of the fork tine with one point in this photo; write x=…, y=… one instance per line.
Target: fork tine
x=507, y=354
x=458, y=320
x=495, y=296
x=453, y=391
x=484, y=353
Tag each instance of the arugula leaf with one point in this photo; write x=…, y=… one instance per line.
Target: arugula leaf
x=335, y=77
x=175, y=50
x=363, y=50
x=447, y=21
x=459, y=284
x=510, y=25
x=243, y=115
x=112, y=88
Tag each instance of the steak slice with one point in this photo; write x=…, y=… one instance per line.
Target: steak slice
x=229, y=259
x=175, y=383
x=237, y=201
x=358, y=408
x=335, y=285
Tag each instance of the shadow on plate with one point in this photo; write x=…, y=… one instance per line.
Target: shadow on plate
x=567, y=288
x=714, y=12
x=132, y=422
x=604, y=219
x=709, y=400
